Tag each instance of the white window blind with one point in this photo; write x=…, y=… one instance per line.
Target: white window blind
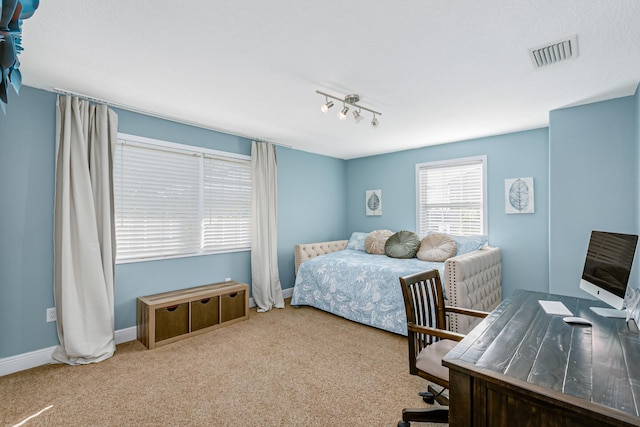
x=227, y=201
x=172, y=201
x=451, y=196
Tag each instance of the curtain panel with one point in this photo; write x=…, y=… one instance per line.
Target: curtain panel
x=84, y=232
x=265, y=277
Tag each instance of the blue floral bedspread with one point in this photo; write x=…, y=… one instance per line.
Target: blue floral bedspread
x=358, y=286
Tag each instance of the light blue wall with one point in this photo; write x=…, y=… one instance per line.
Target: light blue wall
x=311, y=207
x=590, y=165
x=27, y=145
x=149, y=277
x=593, y=169
x=311, y=204
x=522, y=238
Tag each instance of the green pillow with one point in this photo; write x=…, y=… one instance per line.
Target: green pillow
x=403, y=244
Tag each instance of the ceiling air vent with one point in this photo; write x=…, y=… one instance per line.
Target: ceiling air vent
x=551, y=53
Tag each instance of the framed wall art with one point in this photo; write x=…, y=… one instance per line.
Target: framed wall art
x=373, y=202
x=518, y=196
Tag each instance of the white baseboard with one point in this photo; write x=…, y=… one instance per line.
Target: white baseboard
x=286, y=293
x=127, y=334
x=21, y=362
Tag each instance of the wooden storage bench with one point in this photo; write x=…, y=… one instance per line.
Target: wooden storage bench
x=171, y=316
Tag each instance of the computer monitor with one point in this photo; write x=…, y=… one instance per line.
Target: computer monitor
x=607, y=269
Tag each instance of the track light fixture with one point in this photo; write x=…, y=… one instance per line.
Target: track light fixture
x=374, y=122
x=349, y=100
x=328, y=104
x=342, y=115
x=357, y=117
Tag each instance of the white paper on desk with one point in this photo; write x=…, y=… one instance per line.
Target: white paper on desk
x=632, y=301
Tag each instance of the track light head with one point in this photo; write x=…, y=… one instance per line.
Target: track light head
x=374, y=122
x=357, y=116
x=342, y=115
x=325, y=107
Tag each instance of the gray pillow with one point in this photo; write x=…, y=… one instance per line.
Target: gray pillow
x=403, y=244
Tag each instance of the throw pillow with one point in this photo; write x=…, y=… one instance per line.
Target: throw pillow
x=468, y=244
x=437, y=247
x=375, y=241
x=356, y=242
x=403, y=244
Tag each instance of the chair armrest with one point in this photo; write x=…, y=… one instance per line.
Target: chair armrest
x=466, y=311
x=440, y=333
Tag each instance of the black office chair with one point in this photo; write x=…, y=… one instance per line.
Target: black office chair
x=429, y=341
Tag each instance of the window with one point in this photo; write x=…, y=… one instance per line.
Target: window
x=176, y=200
x=452, y=196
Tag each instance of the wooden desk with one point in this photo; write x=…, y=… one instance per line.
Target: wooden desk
x=523, y=367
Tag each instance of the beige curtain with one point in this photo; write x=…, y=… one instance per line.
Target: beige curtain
x=84, y=234
x=265, y=277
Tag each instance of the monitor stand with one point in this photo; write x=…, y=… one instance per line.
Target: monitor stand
x=610, y=312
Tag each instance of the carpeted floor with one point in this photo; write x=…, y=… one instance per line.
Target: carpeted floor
x=289, y=367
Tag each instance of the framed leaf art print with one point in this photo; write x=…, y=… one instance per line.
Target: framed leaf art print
x=373, y=202
x=518, y=196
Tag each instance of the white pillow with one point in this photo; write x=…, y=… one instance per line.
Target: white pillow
x=437, y=247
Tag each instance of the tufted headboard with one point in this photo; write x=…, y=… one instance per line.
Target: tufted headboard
x=307, y=251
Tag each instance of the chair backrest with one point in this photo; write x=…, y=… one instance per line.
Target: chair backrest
x=424, y=305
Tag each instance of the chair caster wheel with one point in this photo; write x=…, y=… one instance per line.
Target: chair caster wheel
x=404, y=424
x=428, y=397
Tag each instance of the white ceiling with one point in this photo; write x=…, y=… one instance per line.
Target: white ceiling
x=438, y=71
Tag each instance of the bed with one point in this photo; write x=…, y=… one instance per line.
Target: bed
x=345, y=280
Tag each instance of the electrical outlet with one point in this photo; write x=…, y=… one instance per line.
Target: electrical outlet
x=51, y=314
x=228, y=279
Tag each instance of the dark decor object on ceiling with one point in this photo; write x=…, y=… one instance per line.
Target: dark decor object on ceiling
x=13, y=13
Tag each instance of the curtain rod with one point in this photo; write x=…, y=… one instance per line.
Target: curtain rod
x=161, y=116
